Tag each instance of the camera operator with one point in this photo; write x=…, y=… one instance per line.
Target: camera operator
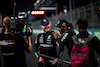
x=13, y=46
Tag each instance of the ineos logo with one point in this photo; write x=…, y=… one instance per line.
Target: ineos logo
x=7, y=42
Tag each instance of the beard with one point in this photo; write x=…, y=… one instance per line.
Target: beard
x=62, y=30
x=47, y=29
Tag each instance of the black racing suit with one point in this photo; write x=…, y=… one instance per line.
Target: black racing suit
x=64, y=40
x=45, y=44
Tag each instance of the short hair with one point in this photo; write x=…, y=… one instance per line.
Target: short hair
x=82, y=23
x=6, y=21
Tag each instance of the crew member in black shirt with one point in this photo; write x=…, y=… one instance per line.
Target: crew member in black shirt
x=13, y=46
x=94, y=44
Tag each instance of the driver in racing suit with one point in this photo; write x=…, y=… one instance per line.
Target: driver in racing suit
x=46, y=44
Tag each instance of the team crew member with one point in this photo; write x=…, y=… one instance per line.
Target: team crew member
x=64, y=39
x=46, y=44
x=93, y=45
x=13, y=46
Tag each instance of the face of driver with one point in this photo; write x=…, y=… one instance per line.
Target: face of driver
x=62, y=29
x=45, y=27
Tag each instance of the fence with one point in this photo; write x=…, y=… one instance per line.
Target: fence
x=90, y=11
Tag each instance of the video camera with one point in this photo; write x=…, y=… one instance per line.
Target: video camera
x=20, y=24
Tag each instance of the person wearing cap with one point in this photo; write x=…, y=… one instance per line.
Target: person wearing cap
x=64, y=39
x=46, y=44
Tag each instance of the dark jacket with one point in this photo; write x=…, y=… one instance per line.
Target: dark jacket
x=13, y=47
x=94, y=46
x=64, y=40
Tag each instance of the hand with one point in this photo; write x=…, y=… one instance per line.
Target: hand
x=55, y=34
x=55, y=61
x=41, y=60
x=29, y=31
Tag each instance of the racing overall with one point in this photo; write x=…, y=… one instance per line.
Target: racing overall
x=46, y=44
x=64, y=40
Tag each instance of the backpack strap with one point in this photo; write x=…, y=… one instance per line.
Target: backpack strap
x=75, y=40
x=89, y=38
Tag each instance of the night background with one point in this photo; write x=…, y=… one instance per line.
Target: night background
x=6, y=6
x=89, y=9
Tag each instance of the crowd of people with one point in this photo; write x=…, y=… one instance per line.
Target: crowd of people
x=80, y=47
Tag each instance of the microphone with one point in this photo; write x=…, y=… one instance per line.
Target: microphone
x=14, y=10
x=14, y=3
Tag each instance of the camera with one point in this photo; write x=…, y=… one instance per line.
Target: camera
x=20, y=24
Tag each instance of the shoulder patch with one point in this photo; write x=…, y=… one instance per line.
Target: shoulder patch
x=64, y=37
x=66, y=34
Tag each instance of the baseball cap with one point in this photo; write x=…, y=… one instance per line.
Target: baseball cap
x=44, y=21
x=61, y=23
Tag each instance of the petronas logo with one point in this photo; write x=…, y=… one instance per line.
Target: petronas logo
x=49, y=36
x=66, y=34
x=49, y=39
x=44, y=20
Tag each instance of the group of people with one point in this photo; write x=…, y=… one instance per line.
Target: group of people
x=13, y=45
x=80, y=47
